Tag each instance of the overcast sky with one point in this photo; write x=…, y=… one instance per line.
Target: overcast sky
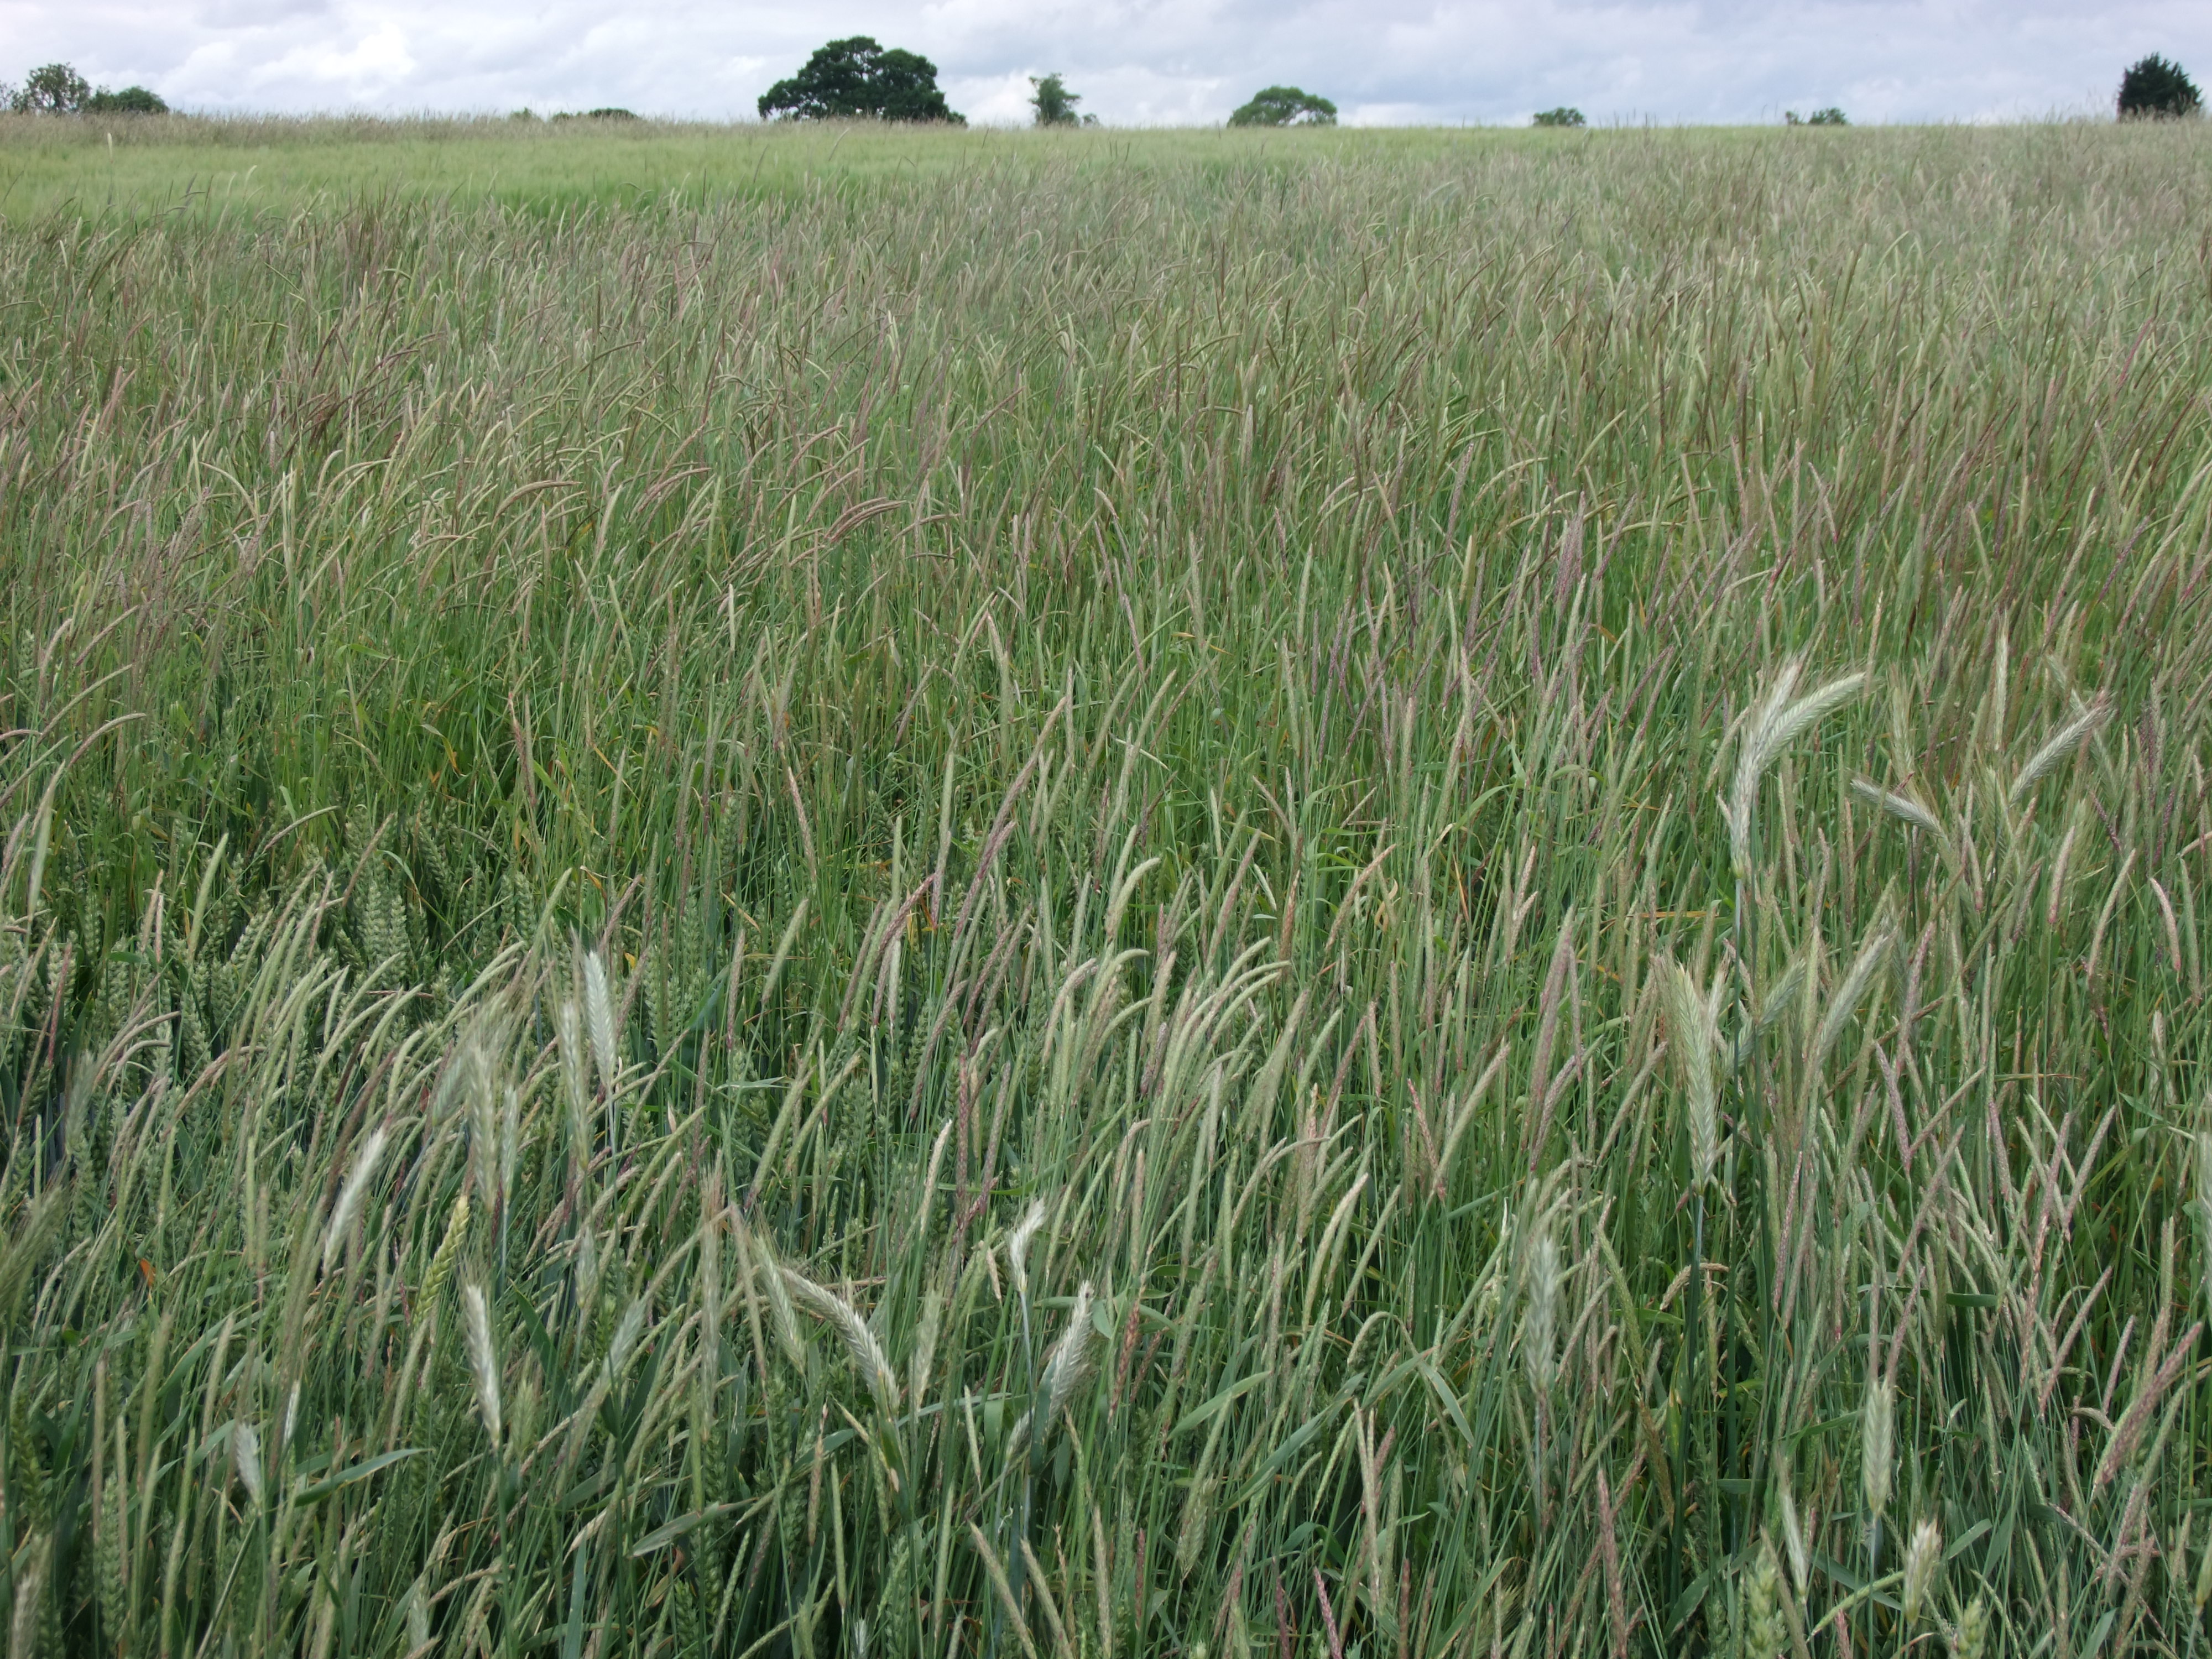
x=1136, y=62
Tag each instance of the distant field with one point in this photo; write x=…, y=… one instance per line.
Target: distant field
x=189, y=164
x=821, y=892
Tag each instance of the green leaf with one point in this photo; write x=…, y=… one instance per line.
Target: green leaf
x=352, y=1473
x=1219, y=1402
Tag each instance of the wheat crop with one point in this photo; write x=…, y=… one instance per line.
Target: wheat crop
x=1434, y=894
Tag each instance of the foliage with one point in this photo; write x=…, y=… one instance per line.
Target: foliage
x=718, y=922
x=1564, y=116
x=1830, y=117
x=131, y=100
x=2155, y=88
x=1051, y=104
x=58, y=89
x=51, y=89
x=857, y=79
x=1283, y=107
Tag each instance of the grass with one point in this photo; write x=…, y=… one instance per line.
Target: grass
x=1415, y=895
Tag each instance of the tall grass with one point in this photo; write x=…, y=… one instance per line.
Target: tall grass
x=1430, y=899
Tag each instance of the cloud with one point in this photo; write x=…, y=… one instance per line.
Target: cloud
x=1138, y=62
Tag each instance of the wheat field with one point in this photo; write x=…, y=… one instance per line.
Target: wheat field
x=817, y=893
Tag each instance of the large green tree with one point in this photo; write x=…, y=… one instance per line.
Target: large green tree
x=2155, y=88
x=130, y=101
x=1284, y=106
x=51, y=89
x=859, y=80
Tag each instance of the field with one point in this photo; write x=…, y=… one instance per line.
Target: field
x=831, y=892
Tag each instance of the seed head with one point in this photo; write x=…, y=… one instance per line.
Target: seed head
x=1762, y=1634
x=2068, y=738
x=1018, y=1246
x=1072, y=1364
x=1778, y=721
x=1540, y=1317
x=1690, y=1034
x=352, y=1194
x=1923, y=1559
x=599, y=1010
x=1875, y=1427
x=1074, y=1356
x=484, y=1359
x=867, y=1354
x=441, y=1263
x=1971, y=1639
x=245, y=1456
x=1793, y=1534
x=1899, y=807
x=2204, y=1206
x=576, y=1079
x=1850, y=993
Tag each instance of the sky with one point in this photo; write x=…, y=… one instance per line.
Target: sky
x=1136, y=63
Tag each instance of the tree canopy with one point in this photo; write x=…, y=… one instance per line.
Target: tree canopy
x=59, y=90
x=51, y=89
x=1566, y=115
x=131, y=100
x=859, y=80
x=1284, y=106
x=2155, y=88
x=1051, y=103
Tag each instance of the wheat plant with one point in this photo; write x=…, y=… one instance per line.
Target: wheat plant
x=1416, y=894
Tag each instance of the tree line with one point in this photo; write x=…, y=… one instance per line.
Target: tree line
x=860, y=79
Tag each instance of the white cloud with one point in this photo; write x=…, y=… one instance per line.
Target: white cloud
x=1138, y=62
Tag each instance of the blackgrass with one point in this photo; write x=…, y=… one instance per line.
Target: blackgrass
x=1111, y=896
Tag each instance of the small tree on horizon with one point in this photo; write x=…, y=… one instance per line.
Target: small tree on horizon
x=50, y=89
x=59, y=90
x=2156, y=89
x=1051, y=104
x=131, y=100
x=1566, y=115
x=856, y=79
x=1283, y=107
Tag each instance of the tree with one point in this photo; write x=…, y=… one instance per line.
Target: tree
x=51, y=89
x=1830, y=117
x=2156, y=90
x=1051, y=103
x=1284, y=106
x=858, y=80
x=1566, y=115
x=131, y=100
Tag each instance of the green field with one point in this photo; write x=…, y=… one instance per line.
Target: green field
x=820, y=892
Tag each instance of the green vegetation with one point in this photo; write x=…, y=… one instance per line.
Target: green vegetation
x=1426, y=894
x=858, y=80
x=1052, y=105
x=59, y=90
x=2154, y=88
x=1564, y=116
x=1283, y=107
